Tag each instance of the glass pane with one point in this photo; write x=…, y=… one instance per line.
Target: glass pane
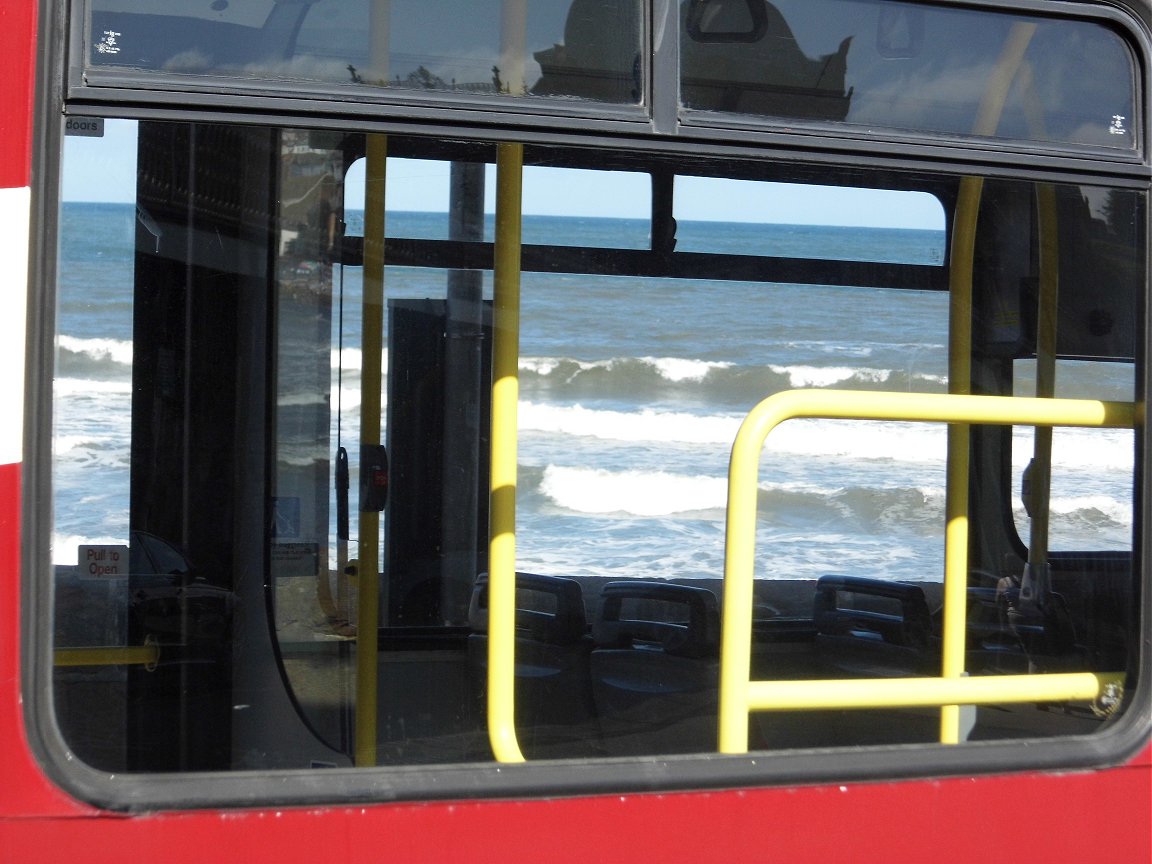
x=271, y=445
x=418, y=202
x=809, y=221
x=571, y=48
x=886, y=64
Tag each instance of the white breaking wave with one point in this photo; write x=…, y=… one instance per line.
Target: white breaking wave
x=860, y=439
x=117, y=350
x=89, y=387
x=639, y=493
x=826, y=376
x=1119, y=512
x=1095, y=450
x=681, y=369
x=352, y=359
x=301, y=400
x=108, y=451
x=674, y=369
x=646, y=425
x=547, y=365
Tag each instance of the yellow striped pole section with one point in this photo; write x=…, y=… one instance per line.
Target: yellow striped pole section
x=116, y=655
x=367, y=613
x=959, y=446
x=502, y=516
x=736, y=690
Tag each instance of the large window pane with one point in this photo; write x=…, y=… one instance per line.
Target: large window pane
x=272, y=401
x=897, y=65
x=583, y=49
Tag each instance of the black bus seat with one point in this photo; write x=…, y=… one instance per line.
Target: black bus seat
x=655, y=667
x=553, y=689
x=884, y=629
x=863, y=628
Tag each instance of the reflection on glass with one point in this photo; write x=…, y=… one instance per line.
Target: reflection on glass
x=903, y=66
x=741, y=55
x=578, y=48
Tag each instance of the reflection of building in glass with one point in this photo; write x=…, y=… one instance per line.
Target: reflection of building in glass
x=740, y=55
x=600, y=57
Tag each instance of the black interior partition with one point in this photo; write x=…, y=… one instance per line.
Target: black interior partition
x=429, y=579
x=202, y=243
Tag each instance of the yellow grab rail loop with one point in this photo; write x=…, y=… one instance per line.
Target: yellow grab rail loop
x=738, y=694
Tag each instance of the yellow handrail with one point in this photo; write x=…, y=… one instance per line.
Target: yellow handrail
x=113, y=655
x=928, y=692
x=738, y=694
x=502, y=516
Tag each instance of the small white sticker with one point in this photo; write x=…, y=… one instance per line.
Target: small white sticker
x=1116, y=127
x=108, y=44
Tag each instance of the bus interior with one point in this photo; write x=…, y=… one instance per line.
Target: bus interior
x=309, y=404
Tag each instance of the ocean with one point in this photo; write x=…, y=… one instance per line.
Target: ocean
x=631, y=394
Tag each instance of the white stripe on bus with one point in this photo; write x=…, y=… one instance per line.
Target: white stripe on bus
x=15, y=207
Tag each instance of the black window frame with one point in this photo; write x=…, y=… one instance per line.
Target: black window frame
x=658, y=114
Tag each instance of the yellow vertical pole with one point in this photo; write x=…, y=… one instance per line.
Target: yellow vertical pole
x=1046, y=331
x=371, y=379
x=960, y=377
x=368, y=618
x=502, y=516
x=959, y=441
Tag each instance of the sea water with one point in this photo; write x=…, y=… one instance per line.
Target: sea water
x=631, y=393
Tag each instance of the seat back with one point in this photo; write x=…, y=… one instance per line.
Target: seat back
x=554, y=709
x=655, y=668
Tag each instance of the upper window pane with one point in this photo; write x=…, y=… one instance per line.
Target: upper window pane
x=574, y=48
x=896, y=65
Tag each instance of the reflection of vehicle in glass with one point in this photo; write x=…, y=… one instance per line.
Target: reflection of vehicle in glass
x=170, y=604
x=681, y=483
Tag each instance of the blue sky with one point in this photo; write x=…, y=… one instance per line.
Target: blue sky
x=103, y=169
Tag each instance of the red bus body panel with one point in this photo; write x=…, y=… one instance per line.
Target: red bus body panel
x=1074, y=817
x=18, y=24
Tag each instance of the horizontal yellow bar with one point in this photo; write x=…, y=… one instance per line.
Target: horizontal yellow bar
x=927, y=692
x=933, y=408
x=135, y=655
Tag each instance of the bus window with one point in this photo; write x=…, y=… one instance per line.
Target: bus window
x=908, y=67
x=557, y=48
x=273, y=445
